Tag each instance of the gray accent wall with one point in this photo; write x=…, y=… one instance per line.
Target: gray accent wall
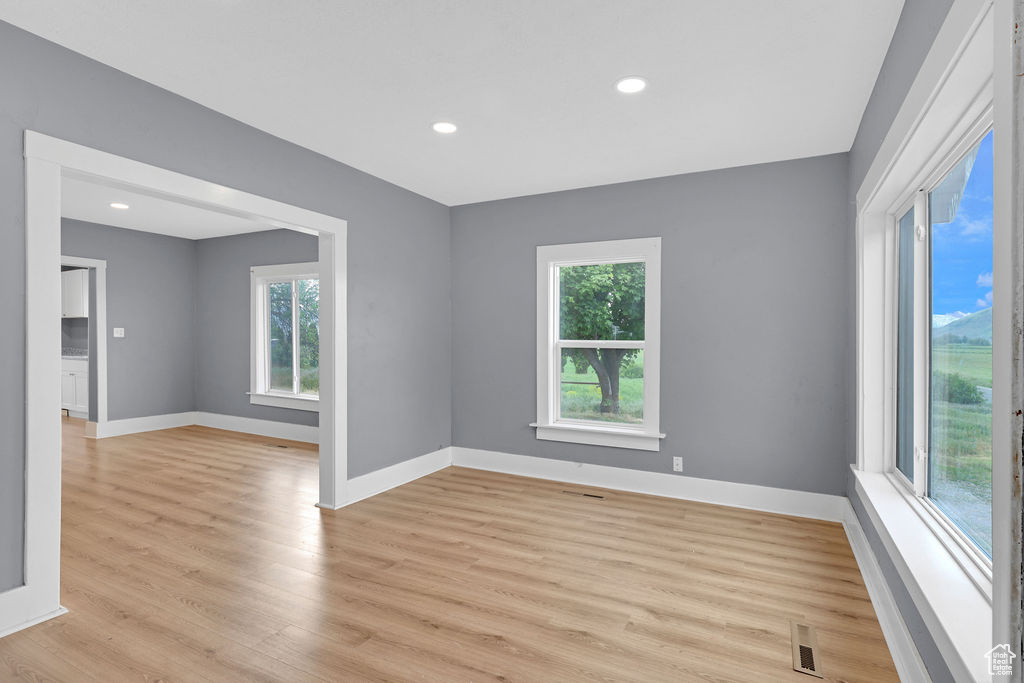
x=222, y=318
x=151, y=292
x=399, y=273
x=756, y=326
x=916, y=30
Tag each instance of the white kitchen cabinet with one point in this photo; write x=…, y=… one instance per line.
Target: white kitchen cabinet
x=82, y=392
x=74, y=387
x=67, y=390
x=74, y=289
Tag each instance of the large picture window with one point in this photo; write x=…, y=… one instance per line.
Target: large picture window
x=285, y=353
x=944, y=361
x=598, y=343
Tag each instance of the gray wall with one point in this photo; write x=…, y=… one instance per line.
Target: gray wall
x=755, y=319
x=918, y=25
x=222, y=318
x=398, y=243
x=151, y=292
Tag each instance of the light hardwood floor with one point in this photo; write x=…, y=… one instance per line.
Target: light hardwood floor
x=196, y=554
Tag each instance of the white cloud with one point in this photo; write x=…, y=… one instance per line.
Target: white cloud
x=984, y=280
x=969, y=228
x=986, y=302
x=963, y=227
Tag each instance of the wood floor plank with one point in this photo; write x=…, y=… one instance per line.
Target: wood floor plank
x=195, y=554
x=23, y=659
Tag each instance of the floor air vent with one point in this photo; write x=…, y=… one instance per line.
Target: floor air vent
x=274, y=445
x=584, y=495
x=805, y=649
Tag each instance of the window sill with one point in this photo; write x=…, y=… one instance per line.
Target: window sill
x=970, y=558
x=278, y=401
x=595, y=435
x=952, y=594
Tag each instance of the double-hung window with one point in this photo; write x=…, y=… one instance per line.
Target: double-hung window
x=598, y=343
x=285, y=337
x=944, y=341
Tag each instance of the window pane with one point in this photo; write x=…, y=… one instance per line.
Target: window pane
x=280, y=294
x=960, y=460
x=604, y=301
x=605, y=385
x=905, y=350
x=309, y=336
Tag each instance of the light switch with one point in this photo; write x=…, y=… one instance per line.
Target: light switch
x=118, y=332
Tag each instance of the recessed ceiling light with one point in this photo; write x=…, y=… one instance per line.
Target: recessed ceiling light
x=119, y=205
x=630, y=85
x=445, y=127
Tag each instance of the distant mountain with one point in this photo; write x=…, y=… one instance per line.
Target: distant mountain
x=940, y=319
x=973, y=326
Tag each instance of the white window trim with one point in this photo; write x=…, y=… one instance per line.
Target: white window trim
x=950, y=97
x=549, y=426
x=259, y=393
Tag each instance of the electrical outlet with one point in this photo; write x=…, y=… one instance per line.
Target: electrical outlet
x=118, y=332
x=677, y=463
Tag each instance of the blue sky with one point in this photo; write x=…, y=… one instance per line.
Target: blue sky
x=962, y=248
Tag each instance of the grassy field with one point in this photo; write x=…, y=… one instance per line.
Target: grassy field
x=583, y=401
x=961, y=458
x=309, y=379
x=961, y=445
x=973, y=362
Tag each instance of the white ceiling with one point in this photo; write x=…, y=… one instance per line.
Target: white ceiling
x=91, y=202
x=529, y=82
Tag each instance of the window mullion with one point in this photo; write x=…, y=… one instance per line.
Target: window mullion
x=295, y=337
x=602, y=343
x=922, y=341
x=267, y=345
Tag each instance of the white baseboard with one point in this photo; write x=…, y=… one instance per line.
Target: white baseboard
x=749, y=496
x=233, y=423
x=136, y=425
x=249, y=425
x=904, y=652
x=6, y=631
x=371, y=484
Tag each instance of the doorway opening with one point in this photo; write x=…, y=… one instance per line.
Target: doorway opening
x=48, y=162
